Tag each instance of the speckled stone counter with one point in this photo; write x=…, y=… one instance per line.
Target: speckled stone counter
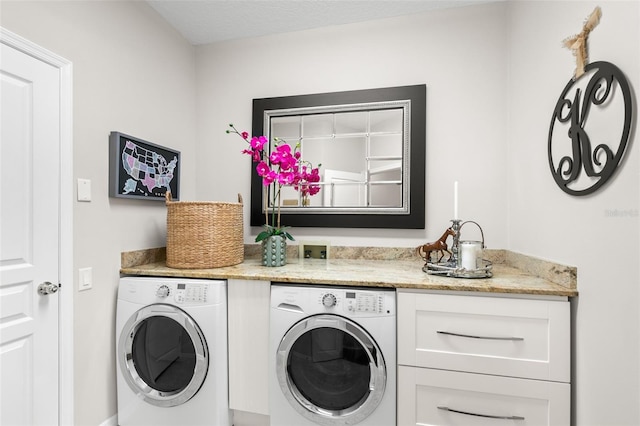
x=375, y=267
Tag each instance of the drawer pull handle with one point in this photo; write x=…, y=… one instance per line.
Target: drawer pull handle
x=489, y=416
x=291, y=308
x=470, y=336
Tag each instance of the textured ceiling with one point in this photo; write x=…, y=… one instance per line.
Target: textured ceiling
x=210, y=21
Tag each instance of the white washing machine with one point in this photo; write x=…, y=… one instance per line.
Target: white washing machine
x=332, y=356
x=171, y=350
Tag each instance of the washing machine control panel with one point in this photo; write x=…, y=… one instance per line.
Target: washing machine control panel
x=190, y=293
x=183, y=292
x=354, y=301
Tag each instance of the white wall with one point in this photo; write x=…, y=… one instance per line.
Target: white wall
x=580, y=231
x=134, y=74
x=458, y=53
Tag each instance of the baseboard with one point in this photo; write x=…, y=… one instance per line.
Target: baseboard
x=240, y=418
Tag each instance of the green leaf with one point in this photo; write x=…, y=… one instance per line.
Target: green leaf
x=270, y=231
x=263, y=236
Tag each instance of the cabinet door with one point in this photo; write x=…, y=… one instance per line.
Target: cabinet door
x=248, y=319
x=442, y=398
x=527, y=338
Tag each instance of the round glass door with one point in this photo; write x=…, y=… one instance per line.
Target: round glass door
x=164, y=357
x=331, y=370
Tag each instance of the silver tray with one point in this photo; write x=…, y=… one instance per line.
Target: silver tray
x=451, y=270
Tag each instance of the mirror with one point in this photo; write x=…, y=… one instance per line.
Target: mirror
x=371, y=145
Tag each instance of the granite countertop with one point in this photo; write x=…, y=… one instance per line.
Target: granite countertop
x=512, y=273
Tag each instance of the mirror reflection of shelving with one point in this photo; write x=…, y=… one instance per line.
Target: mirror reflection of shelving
x=361, y=153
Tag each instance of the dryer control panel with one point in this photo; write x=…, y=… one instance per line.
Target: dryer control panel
x=355, y=301
x=364, y=302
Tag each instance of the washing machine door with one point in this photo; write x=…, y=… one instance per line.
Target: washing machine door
x=163, y=355
x=331, y=370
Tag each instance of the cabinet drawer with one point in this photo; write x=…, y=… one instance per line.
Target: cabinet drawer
x=436, y=397
x=527, y=338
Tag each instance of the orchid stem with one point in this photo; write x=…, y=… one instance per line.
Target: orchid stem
x=279, y=187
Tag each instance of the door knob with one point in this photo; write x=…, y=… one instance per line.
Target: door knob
x=47, y=288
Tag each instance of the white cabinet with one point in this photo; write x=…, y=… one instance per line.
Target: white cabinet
x=474, y=360
x=438, y=397
x=248, y=322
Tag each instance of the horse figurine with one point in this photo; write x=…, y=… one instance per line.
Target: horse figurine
x=424, y=251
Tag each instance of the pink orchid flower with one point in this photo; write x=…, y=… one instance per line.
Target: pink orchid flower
x=258, y=142
x=262, y=168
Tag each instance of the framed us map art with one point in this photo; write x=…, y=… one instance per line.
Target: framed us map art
x=141, y=169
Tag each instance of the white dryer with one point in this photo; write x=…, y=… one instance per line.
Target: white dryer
x=171, y=350
x=332, y=356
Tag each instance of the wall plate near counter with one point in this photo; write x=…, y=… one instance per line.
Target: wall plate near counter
x=314, y=249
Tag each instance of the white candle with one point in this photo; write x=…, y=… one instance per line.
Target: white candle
x=455, y=200
x=469, y=254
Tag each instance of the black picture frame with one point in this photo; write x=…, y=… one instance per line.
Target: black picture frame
x=133, y=169
x=413, y=219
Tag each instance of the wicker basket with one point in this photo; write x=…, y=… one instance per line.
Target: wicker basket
x=204, y=234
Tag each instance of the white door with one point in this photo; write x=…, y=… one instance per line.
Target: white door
x=343, y=189
x=29, y=234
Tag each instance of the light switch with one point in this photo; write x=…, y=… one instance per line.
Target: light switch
x=85, y=279
x=84, y=190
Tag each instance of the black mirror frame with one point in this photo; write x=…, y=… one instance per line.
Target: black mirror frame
x=414, y=219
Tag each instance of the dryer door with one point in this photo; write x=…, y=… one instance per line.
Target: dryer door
x=164, y=356
x=331, y=370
